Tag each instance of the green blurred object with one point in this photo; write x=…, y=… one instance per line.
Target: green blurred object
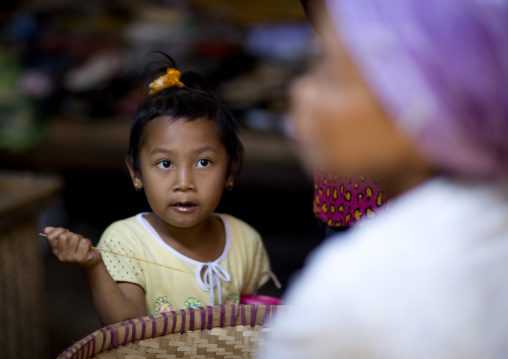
x=21, y=127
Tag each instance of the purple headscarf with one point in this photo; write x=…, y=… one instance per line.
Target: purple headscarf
x=440, y=68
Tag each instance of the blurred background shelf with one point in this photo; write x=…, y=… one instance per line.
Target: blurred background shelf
x=102, y=146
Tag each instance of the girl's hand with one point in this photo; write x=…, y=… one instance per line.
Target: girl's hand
x=72, y=248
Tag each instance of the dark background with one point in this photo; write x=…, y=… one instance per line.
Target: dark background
x=69, y=82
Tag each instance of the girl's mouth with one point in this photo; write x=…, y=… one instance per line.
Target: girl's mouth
x=184, y=207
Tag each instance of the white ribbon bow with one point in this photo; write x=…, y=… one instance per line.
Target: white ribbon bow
x=212, y=278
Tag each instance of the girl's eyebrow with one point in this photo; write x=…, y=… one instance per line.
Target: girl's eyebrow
x=160, y=150
x=199, y=150
x=205, y=149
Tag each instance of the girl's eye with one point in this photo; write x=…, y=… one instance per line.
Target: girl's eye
x=203, y=163
x=164, y=164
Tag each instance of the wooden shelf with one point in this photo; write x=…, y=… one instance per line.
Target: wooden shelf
x=101, y=145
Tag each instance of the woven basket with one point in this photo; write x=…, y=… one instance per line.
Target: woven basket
x=224, y=332
x=22, y=298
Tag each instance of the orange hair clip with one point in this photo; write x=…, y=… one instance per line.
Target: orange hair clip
x=170, y=79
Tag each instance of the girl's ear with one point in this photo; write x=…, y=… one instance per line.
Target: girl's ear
x=234, y=169
x=230, y=181
x=135, y=175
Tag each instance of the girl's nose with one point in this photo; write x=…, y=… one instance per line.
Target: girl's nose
x=184, y=180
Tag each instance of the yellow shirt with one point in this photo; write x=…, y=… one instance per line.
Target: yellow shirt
x=237, y=271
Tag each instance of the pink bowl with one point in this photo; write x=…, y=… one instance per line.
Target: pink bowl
x=260, y=300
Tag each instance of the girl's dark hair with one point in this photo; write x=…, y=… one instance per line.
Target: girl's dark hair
x=193, y=101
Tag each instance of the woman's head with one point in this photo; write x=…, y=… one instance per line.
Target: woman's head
x=340, y=122
x=184, y=149
x=435, y=71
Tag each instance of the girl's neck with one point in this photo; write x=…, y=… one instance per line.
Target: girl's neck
x=203, y=242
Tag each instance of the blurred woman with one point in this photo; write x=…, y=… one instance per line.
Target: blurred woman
x=416, y=92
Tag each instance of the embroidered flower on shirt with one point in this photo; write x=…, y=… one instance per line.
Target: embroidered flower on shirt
x=232, y=299
x=193, y=303
x=162, y=305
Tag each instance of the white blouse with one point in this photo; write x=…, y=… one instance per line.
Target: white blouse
x=428, y=279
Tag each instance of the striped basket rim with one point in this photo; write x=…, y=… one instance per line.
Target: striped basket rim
x=160, y=324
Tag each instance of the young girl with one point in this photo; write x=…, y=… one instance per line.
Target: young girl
x=416, y=92
x=184, y=150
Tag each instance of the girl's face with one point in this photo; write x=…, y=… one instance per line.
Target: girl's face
x=339, y=121
x=183, y=168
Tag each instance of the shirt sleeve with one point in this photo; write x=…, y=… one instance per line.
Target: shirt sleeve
x=119, y=239
x=258, y=273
